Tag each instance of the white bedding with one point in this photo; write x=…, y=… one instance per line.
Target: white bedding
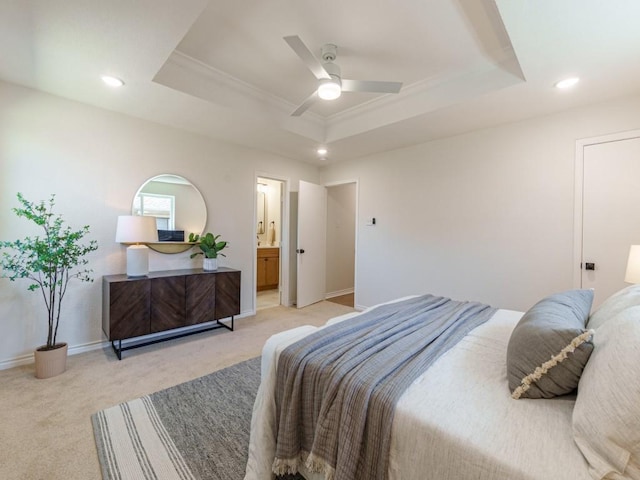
x=456, y=422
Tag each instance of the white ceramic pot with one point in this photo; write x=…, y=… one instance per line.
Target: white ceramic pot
x=210, y=264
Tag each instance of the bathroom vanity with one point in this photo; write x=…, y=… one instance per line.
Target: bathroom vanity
x=268, y=268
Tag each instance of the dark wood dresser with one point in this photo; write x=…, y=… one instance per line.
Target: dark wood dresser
x=167, y=300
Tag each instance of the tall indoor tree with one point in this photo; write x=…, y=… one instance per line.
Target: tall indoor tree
x=49, y=261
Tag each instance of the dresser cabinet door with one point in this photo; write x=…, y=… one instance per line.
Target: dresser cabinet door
x=227, y=294
x=167, y=303
x=201, y=298
x=129, y=307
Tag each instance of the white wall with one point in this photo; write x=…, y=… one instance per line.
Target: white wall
x=483, y=216
x=486, y=215
x=341, y=238
x=94, y=161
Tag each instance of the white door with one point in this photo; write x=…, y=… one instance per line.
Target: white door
x=312, y=243
x=611, y=213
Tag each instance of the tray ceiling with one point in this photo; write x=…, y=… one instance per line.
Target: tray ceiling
x=222, y=69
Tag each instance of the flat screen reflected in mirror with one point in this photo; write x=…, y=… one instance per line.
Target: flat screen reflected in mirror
x=178, y=207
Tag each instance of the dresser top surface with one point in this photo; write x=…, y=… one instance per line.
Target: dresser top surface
x=121, y=277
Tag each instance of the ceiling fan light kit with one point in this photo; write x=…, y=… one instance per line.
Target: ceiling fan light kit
x=329, y=89
x=330, y=81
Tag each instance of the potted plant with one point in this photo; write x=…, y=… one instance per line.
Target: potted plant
x=49, y=262
x=210, y=247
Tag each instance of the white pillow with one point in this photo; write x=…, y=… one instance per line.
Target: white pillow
x=606, y=415
x=625, y=298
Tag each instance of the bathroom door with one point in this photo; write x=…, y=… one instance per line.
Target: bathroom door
x=312, y=244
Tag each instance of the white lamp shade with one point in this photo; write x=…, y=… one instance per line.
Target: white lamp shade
x=136, y=229
x=633, y=265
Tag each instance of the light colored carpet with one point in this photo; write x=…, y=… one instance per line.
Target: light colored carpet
x=46, y=430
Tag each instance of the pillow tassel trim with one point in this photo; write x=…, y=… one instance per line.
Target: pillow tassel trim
x=549, y=364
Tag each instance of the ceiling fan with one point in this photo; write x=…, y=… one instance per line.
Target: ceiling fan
x=331, y=84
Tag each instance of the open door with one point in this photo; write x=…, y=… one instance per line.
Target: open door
x=312, y=243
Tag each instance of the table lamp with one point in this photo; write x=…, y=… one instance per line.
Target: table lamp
x=633, y=265
x=137, y=230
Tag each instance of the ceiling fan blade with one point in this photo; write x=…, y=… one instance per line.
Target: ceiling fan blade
x=306, y=104
x=370, y=86
x=307, y=57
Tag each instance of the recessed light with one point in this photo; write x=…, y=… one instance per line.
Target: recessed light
x=567, y=82
x=112, y=81
x=322, y=151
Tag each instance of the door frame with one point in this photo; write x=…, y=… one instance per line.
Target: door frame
x=283, y=284
x=581, y=144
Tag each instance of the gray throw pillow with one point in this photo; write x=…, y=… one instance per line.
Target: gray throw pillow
x=550, y=346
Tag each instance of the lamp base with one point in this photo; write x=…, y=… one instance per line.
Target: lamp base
x=137, y=261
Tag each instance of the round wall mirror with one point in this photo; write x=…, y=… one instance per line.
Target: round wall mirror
x=178, y=207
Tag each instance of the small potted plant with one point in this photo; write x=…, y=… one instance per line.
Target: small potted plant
x=210, y=247
x=49, y=262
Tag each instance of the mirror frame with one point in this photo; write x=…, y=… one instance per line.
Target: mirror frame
x=173, y=247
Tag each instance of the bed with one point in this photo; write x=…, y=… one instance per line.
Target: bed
x=459, y=420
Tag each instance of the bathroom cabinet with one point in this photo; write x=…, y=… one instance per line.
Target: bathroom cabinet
x=268, y=269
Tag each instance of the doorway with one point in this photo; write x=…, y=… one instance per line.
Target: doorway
x=341, y=242
x=326, y=243
x=269, y=234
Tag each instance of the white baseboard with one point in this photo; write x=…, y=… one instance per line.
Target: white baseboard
x=97, y=345
x=16, y=362
x=338, y=293
x=73, y=350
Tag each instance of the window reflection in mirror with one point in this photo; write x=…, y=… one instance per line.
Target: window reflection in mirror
x=176, y=204
x=156, y=205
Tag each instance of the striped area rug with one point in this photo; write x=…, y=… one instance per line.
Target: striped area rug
x=194, y=431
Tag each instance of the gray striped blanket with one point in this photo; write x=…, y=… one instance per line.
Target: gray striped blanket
x=337, y=388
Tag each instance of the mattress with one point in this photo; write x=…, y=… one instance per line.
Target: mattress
x=456, y=421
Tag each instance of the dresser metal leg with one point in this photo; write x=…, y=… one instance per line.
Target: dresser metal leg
x=118, y=350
